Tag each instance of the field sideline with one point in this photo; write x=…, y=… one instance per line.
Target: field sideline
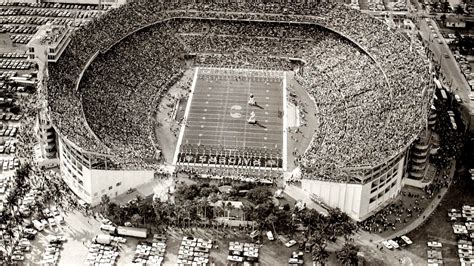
x=218, y=112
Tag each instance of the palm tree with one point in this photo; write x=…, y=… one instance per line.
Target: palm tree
x=11, y=201
x=348, y=254
x=320, y=254
x=459, y=10
x=271, y=220
x=136, y=219
x=104, y=204
x=144, y=210
x=229, y=208
x=203, y=204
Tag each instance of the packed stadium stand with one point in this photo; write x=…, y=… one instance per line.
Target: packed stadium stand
x=369, y=84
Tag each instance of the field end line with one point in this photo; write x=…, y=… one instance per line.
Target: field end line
x=185, y=119
x=285, y=126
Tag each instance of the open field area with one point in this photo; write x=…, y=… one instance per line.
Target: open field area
x=217, y=119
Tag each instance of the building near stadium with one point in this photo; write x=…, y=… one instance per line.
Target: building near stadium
x=89, y=177
x=369, y=116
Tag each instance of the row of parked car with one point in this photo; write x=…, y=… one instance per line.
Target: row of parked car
x=465, y=66
x=7, y=116
x=53, y=5
x=46, y=12
x=32, y=21
x=8, y=147
x=13, y=55
x=296, y=258
x=21, y=29
x=102, y=254
x=9, y=163
x=17, y=64
x=53, y=250
x=243, y=252
x=397, y=242
x=465, y=252
x=21, y=39
x=20, y=249
x=52, y=218
x=151, y=252
x=434, y=253
x=27, y=203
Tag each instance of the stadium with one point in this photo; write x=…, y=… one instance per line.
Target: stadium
x=167, y=86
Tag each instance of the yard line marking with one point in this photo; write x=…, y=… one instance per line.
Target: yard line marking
x=186, y=113
x=246, y=112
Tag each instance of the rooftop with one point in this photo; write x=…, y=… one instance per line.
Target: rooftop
x=48, y=35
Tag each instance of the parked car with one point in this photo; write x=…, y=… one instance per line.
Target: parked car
x=270, y=236
x=290, y=243
x=387, y=244
x=107, y=227
x=434, y=244
x=407, y=240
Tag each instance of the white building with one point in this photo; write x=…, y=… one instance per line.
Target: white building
x=369, y=190
x=90, y=177
x=48, y=43
x=46, y=149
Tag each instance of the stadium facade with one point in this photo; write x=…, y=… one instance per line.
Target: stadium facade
x=92, y=169
x=370, y=189
x=89, y=176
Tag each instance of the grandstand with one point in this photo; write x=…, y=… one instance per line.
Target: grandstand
x=365, y=80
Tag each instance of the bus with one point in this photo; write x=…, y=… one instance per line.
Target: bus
x=453, y=123
x=132, y=231
x=438, y=84
x=443, y=94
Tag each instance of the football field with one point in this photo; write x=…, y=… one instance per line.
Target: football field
x=217, y=118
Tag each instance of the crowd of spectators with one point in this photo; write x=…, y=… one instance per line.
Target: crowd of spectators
x=405, y=210
x=137, y=71
x=398, y=213
x=370, y=93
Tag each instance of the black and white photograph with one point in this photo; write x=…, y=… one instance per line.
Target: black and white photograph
x=236, y=132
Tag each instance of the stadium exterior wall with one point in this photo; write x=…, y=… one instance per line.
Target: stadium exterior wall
x=90, y=184
x=360, y=201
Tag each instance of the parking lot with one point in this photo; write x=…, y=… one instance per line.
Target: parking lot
x=439, y=227
x=79, y=231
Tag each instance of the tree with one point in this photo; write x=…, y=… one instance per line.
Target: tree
x=319, y=253
x=213, y=197
x=248, y=212
x=443, y=19
x=145, y=209
x=185, y=192
x=104, y=204
x=259, y=195
x=348, y=254
x=445, y=7
x=136, y=219
x=229, y=207
x=459, y=10
x=339, y=223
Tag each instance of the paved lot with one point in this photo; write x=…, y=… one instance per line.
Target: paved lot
x=438, y=228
